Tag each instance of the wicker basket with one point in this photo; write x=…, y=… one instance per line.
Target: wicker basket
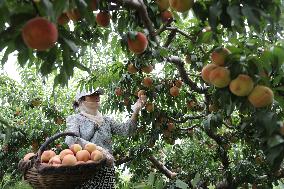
x=63, y=177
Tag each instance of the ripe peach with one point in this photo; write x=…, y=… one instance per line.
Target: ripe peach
x=147, y=82
x=181, y=5
x=242, y=85
x=149, y=107
x=178, y=83
x=47, y=155
x=90, y=147
x=191, y=104
x=166, y=15
x=55, y=160
x=69, y=160
x=147, y=69
x=205, y=72
x=174, y=91
x=171, y=126
x=118, y=91
x=63, y=19
x=28, y=156
x=38, y=33
x=96, y=155
x=126, y=101
x=74, y=15
x=83, y=155
x=80, y=162
x=261, y=96
x=219, y=55
x=220, y=77
x=103, y=19
x=93, y=4
x=75, y=148
x=132, y=69
x=137, y=43
x=163, y=4
x=65, y=152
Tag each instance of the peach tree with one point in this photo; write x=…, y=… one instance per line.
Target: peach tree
x=212, y=71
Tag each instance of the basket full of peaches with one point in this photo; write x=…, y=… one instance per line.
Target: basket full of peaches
x=68, y=169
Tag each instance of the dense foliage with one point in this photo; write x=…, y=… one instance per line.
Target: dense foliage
x=205, y=132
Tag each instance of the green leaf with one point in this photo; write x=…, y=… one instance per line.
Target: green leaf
x=196, y=179
x=251, y=14
x=9, y=50
x=151, y=179
x=274, y=141
x=235, y=14
x=71, y=44
x=215, y=11
x=181, y=184
x=49, y=10
x=60, y=6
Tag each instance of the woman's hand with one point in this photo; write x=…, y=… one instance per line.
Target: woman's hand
x=139, y=104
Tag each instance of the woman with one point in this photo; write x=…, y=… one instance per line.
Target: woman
x=91, y=126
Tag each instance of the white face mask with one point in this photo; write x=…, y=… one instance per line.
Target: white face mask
x=89, y=107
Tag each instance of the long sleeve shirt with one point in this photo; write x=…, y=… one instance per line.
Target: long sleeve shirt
x=89, y=131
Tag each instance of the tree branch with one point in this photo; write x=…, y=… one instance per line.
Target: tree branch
x=162, y=168
x=171, y=37
x=180, y=66
x=180, y=31
x=123, y=160
x=163, y=28
x=186, y=118
x=139, y=6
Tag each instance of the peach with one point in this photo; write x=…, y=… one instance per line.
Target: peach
x=83, y=155
x=219, y=55
x=261, y=96
x=166, y=15
x=174, y=91
x=137, y=43
x=96, y=155
x=132, y=69
x=178, y=83
x=181, y=5
x=47, y=155
x=65, y=152
x=147, y=69
x=205, y=72
x=242, y=85
x=93, y=4
x=80, y=162
x=28, y=156
x=74, y=15
x=63, y=19
x=90, y=147
x=149, y=107
x=147, y=82
x=171, y=126
x=75, y=148
x=103, y=19
x=163, y=4
x=118, y=91
x=55, y=160
x=69, y=159
x=220, y=77
x=39, y=33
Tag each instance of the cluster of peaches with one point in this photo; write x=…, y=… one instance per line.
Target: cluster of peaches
x=218, y=75
x=68, y=157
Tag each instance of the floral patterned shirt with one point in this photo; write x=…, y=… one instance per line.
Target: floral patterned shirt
x=89, y=131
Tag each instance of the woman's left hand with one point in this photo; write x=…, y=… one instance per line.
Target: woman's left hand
x=140, y=103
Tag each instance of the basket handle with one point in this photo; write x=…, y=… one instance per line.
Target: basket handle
x=50, y=140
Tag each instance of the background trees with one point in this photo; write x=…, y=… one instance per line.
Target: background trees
x=200, y=126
